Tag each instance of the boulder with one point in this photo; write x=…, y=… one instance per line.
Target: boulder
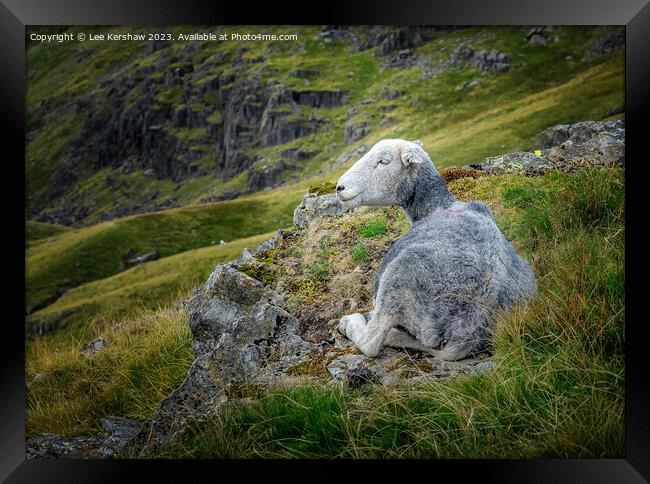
x=520, y=162
x=317, y=207
x=117, y=432
x=539, y=35
x=588, y=143
x=567, y=148
x=580, y=132
x=240, y=336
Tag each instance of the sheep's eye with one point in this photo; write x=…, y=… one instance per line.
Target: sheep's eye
x=384, y=161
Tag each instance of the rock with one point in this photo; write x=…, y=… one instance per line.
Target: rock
x=485, y=60
x=319, y=99
x=580, y=132
x=404, y=58
x=360, y=376
x=483, y=367
x=227, y=194
x=567, y=148
x=391, y=94
x=117, y=432
x=537, y=39
x=149, y=256
x=267, y=177
x=355, y=130
x=554, y=136
x=317, y=207
x=588, y=143
x=539, y=35
x=607, y=44
x=603, y=150
x=93, y=347
x=520, y=162
x=240, y=336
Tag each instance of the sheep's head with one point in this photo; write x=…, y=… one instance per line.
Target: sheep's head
x=376, y=178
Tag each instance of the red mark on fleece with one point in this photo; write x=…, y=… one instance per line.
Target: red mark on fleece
x=454, y=211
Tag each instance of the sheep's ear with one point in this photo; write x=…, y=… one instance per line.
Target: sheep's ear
x=417, y=142
x=411, y=157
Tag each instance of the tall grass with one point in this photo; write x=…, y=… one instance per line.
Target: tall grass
x=145, y=359
x=558, y=386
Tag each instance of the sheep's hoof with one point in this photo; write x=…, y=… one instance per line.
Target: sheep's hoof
x=343, y=326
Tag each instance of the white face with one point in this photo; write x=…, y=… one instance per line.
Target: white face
x=374, y=179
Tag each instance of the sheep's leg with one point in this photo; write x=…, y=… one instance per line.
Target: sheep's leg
x=400, y=339
x=369, y=336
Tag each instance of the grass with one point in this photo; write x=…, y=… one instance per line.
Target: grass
x=145, y=359
x=143, y=287
x=558, y=387
x=359, y=253
x=375, y=228
x=548, y=85
x=83, y=255
x=36, y=232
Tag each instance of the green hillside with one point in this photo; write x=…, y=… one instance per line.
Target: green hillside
x=173, y=147
x=557, y=389
x=503, y=112
x=83, y=166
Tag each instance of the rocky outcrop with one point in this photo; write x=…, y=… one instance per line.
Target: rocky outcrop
x=567, y=148
x=607, y=44
x=539, y=35
x=315, y=207
x=580, y=132
x=266, y=177
x=244, y=340
x=240, y=336
x=117, y=432
x=355, y=129
x=485, y=60
x=319, y=99
x=520, y=162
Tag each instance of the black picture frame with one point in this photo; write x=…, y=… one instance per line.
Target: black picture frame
x=16, y=14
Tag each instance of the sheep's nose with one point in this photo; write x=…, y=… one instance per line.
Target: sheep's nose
x=339, y=188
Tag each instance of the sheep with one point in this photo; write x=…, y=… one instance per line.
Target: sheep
x=440, y=286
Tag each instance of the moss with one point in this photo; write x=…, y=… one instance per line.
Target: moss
x=215, y=118
x=314, y=366
x=320, y=270
x=454, y=173
x=322, y=188
x=258, y=272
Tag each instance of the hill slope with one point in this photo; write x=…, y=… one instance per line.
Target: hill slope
x=123, y=128
x=537, y=401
